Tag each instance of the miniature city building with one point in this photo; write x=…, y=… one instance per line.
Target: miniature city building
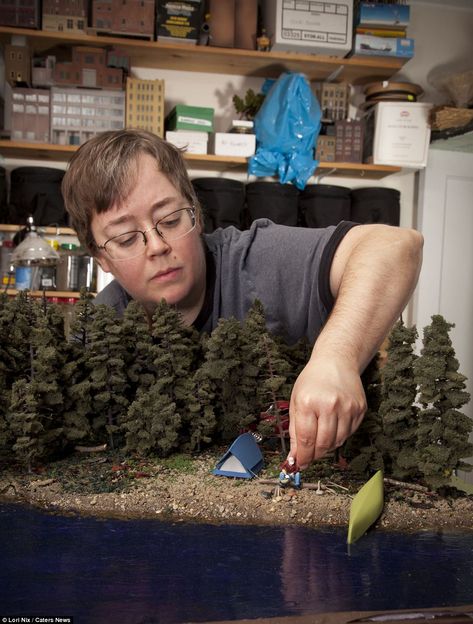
x=145, y=105
x=27, y=114
x=325, y=149
x=124, y=17
x=17, y=64
x=334, y=100
x=65, y=15
x=42, y=71
x=22, y=13
x=118, y=58
x=88, y=68
x=79, y=114
x=349, y=141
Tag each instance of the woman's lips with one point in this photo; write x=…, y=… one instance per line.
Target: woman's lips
x=166, y=276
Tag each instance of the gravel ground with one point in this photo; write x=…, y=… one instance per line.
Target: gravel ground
x=182, y=488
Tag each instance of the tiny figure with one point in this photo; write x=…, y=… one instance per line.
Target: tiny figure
x=290, y=474
x=263, y=42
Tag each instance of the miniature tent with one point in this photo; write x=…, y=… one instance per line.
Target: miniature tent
x=243, y=459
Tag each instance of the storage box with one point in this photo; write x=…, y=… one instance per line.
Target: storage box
x=310, y=27
x=234, y=144
x=383, y=14
x=191, y=142
x=384, y=46
x=184, y=117
x=179, y=21
x=401, y=134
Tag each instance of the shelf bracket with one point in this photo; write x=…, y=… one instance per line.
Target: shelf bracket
x=324, y=174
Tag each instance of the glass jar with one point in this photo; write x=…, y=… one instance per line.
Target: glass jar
x=67, y=275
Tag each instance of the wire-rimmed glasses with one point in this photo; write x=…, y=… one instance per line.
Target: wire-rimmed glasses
x=131, y=244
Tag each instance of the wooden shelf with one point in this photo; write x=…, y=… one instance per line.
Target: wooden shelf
x=61, y=294
x=54, y=231
x=184, y=57
x=48, y=152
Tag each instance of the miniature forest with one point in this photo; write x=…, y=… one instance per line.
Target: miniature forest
x=164, y=389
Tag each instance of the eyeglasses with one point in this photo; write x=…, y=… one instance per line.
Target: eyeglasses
x=129, y=245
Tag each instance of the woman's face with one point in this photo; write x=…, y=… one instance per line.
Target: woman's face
x=175, y=270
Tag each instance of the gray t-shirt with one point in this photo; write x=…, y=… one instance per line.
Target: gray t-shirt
x=286, y=268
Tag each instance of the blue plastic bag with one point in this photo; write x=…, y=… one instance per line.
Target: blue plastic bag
x=286, y=127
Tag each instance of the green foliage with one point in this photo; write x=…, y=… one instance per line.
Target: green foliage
x=442, y=437
x=249, y=105
x=156, y=387
x=397, y=409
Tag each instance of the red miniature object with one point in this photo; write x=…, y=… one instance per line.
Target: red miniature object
x=290, y=474
x=270, y=416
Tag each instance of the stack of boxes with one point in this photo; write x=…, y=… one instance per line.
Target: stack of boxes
x=381, y=30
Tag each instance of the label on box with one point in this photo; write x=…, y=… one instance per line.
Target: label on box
x=313, y=27
x=402, y=134
x=234, y=144
x=206, y=123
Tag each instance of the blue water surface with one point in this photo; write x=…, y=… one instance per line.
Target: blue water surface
x=146, y=571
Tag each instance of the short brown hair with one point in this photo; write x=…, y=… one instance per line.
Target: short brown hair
x=103, y=171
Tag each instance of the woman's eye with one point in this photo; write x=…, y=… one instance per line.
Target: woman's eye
x=170, y=223
x=127, y=241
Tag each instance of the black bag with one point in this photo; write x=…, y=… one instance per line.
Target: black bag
x=222, y=202
x=36, y=191
x=376, y=205
x=323, y=204
x=273, y=200
x=3, y=196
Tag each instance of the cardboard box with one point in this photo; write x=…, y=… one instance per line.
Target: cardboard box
x=234, y=144
x=196, y=118
x=179, y=22
x=401, y=134
x=383, y=14
x=310, y=27
x=191, y=142
x=384, y=46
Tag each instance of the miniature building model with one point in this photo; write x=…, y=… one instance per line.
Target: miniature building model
x=23, y=13
x=88, y=68
x=65, y=15
x=42, y=71
x=17, y=64
x=334, y=99
x=349, y=141
x=124, y=17
x=145, y=105
x=27, y=114
x=79, y=114
x=325, y=149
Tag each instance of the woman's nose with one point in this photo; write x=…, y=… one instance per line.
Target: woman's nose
x=156, y=244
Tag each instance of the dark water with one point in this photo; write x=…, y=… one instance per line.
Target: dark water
x=130, y=572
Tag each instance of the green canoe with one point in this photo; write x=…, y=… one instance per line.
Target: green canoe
x=366, y=507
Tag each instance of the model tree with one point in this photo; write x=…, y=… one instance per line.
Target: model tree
x=397, y=409
x=153, y=422
x=107, y=372
x=363, y=449
x=273, y=369
x=442, y=436
x=35, y=413
x=137, y=339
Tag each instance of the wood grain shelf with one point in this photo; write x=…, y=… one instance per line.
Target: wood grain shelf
x=52, y=231
x=51, y=152
x=60, y=294
x=184, y=57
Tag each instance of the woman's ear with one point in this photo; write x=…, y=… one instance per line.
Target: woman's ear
x=103, y=262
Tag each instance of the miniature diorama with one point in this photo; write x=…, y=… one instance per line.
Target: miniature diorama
x=65, y=16
x=80, y=114
x=17, y=65
x=27, y=114
x=21, y=13
x=134, y=18
x=88, y=67
x=145, y=105
x=325, y=148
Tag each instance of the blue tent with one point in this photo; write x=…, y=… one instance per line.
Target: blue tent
x=242, y=460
